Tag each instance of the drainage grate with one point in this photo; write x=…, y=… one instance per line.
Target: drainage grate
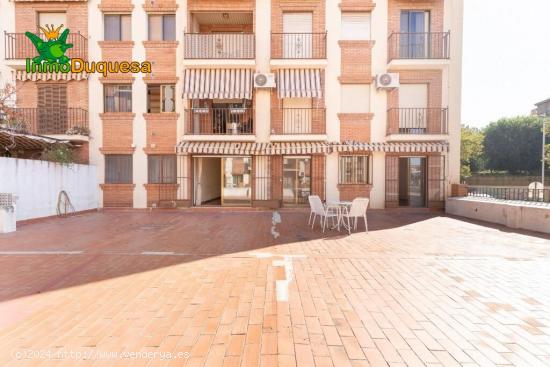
x=6, y=200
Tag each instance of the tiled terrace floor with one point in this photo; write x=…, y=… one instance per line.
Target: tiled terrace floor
x=418, y=290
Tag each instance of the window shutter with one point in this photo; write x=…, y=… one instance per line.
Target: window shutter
x=356, y=27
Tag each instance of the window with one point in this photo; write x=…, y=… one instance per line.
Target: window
x=162, y=169
x=354, y=169
x=118, y=98
x=355, y=26
x=415, y=21
x=355, y=98
x=118, y=169
x=161, y=98
x=118, y=27
x=48, y=18
x=162, y=27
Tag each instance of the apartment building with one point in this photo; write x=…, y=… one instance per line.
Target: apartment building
x=251, y=102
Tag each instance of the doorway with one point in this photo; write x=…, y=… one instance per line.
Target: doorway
x=296, y=180
x=412, y=182
x=222, y=181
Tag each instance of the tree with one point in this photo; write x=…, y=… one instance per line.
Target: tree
x=471, y=150
x=514, y=144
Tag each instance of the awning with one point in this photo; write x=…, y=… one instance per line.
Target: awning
x=279, y=148
x=196, y=147
x=217, y=83
x=14, y=140
x=23, y=76
x=295, y=83
x=395, y=147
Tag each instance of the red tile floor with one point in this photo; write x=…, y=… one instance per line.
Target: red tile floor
x=214, y=287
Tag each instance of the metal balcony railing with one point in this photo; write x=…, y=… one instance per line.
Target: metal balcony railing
x=417, y=121
x=19, y=46
x=48, y=120
x=219, y=121
x=541, y=196
x=288, y=121
x=298, y=45
x=220, y=46
x=419, y=45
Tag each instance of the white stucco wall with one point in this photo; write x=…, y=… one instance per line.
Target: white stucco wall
x=37, y=185
x=522, y=215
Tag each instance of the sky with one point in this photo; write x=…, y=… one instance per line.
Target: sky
x=506, y=58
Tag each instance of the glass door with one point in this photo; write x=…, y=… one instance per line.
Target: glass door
x=236, y=181
x=412, y=182
x=414, y=29
x=296, y=180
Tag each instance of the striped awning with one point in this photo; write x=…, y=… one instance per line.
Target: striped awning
x=304, y=147
x=217, y=83
x=189, y=147
x=295, y=83
x=395, y=147
x=24, y=76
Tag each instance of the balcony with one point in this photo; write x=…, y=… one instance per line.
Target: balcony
x=417, y=121
x=420, y=46
x=297, y=121
x=18, y=46
x=215, y=46
x=298, y=46
x=48, y=120
x=219, y=121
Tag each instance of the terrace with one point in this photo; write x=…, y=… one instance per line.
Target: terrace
x=419, y=289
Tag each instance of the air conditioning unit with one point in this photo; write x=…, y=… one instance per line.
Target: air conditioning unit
x=263, y=80
x=387, y=81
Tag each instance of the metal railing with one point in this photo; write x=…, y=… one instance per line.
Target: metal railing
x=298, y=121
x=510, y=193
x=19, y=46
x=49, y=120
x=424, y=45
x=219, y=121
x=417, y=121
x=298, y=45
x=220, y=46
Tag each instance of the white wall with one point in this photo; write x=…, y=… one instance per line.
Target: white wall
x=37, y=185
x=521, y=215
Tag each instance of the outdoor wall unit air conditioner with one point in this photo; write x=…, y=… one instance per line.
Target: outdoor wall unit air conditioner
x=387, y=81
x=264, y=80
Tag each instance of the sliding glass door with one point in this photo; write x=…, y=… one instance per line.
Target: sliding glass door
x=412, y=182
x=296, y=180
x=414, y=34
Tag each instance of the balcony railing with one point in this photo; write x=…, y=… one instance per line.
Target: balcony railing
x=220, y=46
x=417, y=121
x=19, y=46
x=298, y=45
x=541, y=196
x=219, y=121
x=289, y=121
x=419, y=46
x=48, y=120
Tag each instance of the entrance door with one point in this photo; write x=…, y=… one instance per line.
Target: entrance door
x=52, y=108
x=237, y=181
x=296, y=180
x=297, y=37
x=412, y=182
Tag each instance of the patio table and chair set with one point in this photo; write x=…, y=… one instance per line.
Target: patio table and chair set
x=341, y=213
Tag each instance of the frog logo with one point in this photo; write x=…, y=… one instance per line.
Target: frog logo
x=53, y=50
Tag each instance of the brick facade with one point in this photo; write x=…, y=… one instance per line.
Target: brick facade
x=356, y=62
x=356, y=5
x=161, y=132
x=117, y=133
x=355, y=127
x=118, y=195
x=350, y=192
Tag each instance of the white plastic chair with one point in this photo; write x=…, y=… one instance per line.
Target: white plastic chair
x=357, y=209
x=318, y=209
